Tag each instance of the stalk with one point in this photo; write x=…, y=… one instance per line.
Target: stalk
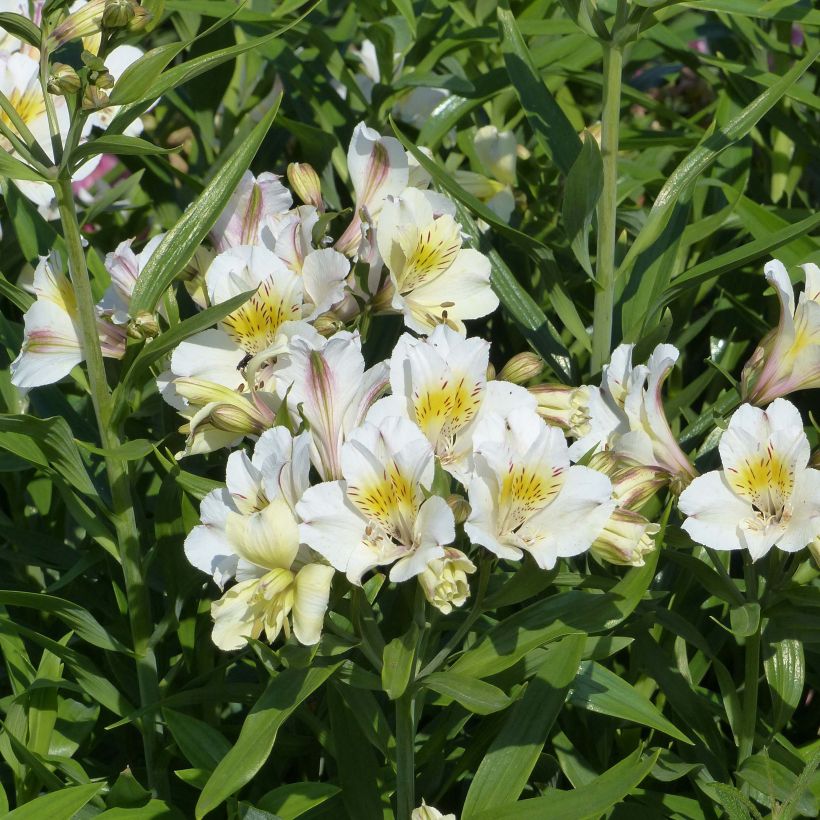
x=751, y=672
x=122, y=507
x=405, y=755
x=607, y=209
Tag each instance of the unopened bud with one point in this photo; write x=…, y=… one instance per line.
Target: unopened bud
x=626, y=537
x=85, y=22
x=521, y=368
x=104, y=80
x=633, y=484
x=328, y=323
x=143, y=326
x=232, y=418
x=306, y=184
x=490, y=372
x=554, y=403
x=142, y=17
x=94, y=98
x=92, y=61
x=64, y=80
x=444, y=580
x=460, y=507
x=118, y=13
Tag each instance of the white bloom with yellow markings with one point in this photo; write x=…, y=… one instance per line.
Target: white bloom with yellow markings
x=525, y=496
x=440, y=384
x=51, y=338
x=377, y=513
x=250, y=532
x=766, y=494
x=788, y=359
x=435, y=280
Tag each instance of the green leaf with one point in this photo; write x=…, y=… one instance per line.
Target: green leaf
x=581, y=194
x=566, y=613
x=16, y=295
x=133, y=450
x=695, y=163
x=295, y=799
x=80, y=620
x=279, y=700
x=20, y=27
x=13, y=168
x=201, y=745
x=551, y=126
x=138, y=78
x=397, y=664
x=405, y=9
x=506, y=768
x=745, y=619
x=473, y=694
x=181, y=242
x=152, y=810
x=776, y=783
x=49, y=445
x=598, y=689
x=589, y=801
x=64, y=803
x=118, y=144
x=785, y=669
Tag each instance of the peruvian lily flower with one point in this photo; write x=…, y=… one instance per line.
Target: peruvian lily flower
x=124, y=267
x=378, y=168
x=51, y=338
x=425, y=812
x=250, y=532
x=766, y=494
x=444, y=580
x=377, y=513
x=328, y=385
x=256, y=204
x=788, y=358
x=434, y=280
x=525, y=496
x=440, y=384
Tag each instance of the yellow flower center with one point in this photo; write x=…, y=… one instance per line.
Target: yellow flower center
x=428, y=252
x=254, y=325
x=444, y=410
x=765, y=481
x=524, y=491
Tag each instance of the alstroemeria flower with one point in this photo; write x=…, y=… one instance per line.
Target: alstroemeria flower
x=766, y=494
x=435, y=281
x=377, y=513
x=625, y=538
x=124, y=267
x=788, y=359
x=525, y=496
x=250, y=532
x=378, y=168
x=327, y=384
x=51, y=339
x=440, y=384
x=444, y=580
x=256, y=204
x=425, y=812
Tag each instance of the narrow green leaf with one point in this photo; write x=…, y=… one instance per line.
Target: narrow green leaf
x=473, y=694
x=745, y=619
x=785, y=669
x=507, y=766
x=20, y=27
x=405, y=9
x=589, y=801
x=16, y=295
x=279, y=700
x=776, y=783
x=551, y=126
x=80, y=620
x=152, y=810
x=581, y=194
x=13, y=168
x=138, y=78
x=64, y=803
x=598, y=689
x=202, y=745
x=118, y=144
x=397, y=662
x=295, y=799
x=181, y=242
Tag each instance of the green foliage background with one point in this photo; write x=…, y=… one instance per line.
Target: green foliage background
x=582, y=692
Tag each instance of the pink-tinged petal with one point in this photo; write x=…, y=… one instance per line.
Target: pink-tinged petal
x=714, y=513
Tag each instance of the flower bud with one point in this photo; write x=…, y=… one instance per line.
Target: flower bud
x=425, y=812
x=143, y=326
x=328, y=323
x=521, y=368
x=118, y=13
x=460, y=507
x=633, y=484
x=306, y=184
x=490, y=372
x=626, y=537
x=85, y=22
x=142, y=17
x=554, y=403
x=103, y=79
x=94, y=98
x=193, y=275
x=444, y=580
x=64, y=80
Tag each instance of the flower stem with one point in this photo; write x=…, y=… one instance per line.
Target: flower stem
x=405, y=755
x=607, y=208
x=122, y=507
x=751, y=672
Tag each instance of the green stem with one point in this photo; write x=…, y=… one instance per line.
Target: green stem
x=607, y=209
x=405, y=756
x=751, y=674
x=51, y=113
x=122, y=512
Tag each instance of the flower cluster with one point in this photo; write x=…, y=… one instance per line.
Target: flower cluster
x=412, y=465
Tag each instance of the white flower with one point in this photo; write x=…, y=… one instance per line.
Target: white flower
x=124, y=267
x=425, y=812
x=525, y=495
x=51, y=338
x=788, y=359
x=766, y=494
x=378, y=512
x=249, y=531
x=256, y=204
x=444, y=580
x=327, y=384
x=378, y=168
x=435, y=280
x=440, y=383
